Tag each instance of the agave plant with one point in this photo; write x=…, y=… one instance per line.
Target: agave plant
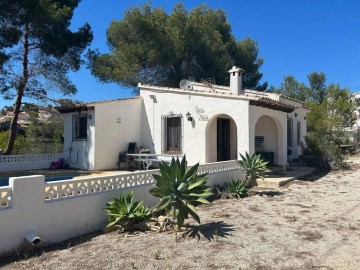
x=237, y=188
x=180, y=190
x=123, y=211
x=252, y=166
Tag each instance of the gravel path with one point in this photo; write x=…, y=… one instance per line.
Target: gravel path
x=304, y=225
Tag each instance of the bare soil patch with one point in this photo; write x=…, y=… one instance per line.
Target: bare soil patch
x=309, y=224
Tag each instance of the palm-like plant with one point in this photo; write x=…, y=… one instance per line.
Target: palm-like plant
x=252, y=166
x=123, y=211
x=180, y=190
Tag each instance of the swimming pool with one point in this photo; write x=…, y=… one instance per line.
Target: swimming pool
x=48, y=178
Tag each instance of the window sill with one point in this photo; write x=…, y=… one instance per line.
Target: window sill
x=79, y=140
x=172, y=153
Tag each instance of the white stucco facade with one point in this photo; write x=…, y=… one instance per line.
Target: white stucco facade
x=117, y=124
x=197, y=142
x=270, y=124
x=110, y=127
x=298, y=116
x=214, y=123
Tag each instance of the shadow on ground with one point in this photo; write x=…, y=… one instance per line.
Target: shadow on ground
x=211, y=231
x=318, y=174
x=269, y=193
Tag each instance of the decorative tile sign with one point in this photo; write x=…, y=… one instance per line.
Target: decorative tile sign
x=201, y=113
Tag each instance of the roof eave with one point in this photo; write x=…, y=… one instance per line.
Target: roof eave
x=273, y=105
x=74, y=109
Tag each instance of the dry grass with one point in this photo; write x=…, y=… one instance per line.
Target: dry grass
x=310, y=224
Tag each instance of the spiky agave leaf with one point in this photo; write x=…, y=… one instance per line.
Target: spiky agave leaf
x=253, y=167
x=180, y=190
x=125, y=212
x=237, y=188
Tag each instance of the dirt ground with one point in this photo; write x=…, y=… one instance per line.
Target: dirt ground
x=312, y=224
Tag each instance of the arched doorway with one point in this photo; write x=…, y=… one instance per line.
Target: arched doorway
x=221, y=139
x=266, y=139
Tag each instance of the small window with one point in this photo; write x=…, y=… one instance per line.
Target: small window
x=298, y=130
x=290, y=132
x=79, y=128
x=172, y=134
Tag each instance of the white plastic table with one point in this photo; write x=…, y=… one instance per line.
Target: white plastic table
x=144, y=158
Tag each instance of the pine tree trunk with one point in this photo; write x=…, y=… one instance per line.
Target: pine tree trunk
x=20, y=93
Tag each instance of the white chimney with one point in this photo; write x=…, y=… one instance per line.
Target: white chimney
x=236, y=80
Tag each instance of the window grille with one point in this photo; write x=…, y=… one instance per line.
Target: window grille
x=172, y=134
x=298, y=131
x=79, y=127
x=290, y=132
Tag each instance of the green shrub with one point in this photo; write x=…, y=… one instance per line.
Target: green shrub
x=322, y=154
x=180, y=190
x=237, y=188
x=123, y=211
x=252, y=167
x=21, y=145
x=326, y=129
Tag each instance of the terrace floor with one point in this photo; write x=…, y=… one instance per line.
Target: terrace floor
x=274, y=179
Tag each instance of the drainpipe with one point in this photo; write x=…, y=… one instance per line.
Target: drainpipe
x=33, y=238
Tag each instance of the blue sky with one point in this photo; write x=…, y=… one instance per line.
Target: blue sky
x=295, y=37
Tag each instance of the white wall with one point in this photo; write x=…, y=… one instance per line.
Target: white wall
x=117, y=124
x=139, y=120
x=80, y=154
x=195, y=139
x=266, y=127
x=55, y=220
x=10, y=163
x=211, y=147
x=75, y=207
x=298, y=115
x=280, y=119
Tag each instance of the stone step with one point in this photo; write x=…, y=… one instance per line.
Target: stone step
x=279, y=178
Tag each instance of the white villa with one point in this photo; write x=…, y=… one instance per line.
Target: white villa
x=205, y=122
x=209, y=124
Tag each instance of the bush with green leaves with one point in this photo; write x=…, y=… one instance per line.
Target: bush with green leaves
x=180, y=190
x=126, y=213
x=324, y=155
x=326, y=129
x=21, y=145
x=237, y=188
x=253, y=167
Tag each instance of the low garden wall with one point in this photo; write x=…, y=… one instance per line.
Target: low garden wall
x=59, y=210
x=10, y=163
